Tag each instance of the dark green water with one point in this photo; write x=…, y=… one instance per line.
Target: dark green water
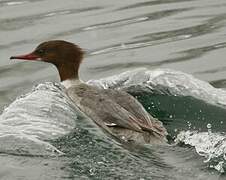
x=178, y=112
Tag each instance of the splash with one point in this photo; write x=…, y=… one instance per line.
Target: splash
x=211, y=146
x=32, y=119
x=46, y=113
x=173, y=82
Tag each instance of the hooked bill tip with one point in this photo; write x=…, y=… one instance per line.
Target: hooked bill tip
x=30, y=56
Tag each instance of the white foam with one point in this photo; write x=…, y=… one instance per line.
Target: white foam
x=175, y=82
x=43, y=114
x=212, y=146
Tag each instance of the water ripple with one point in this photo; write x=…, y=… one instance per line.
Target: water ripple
x=152, y=39
x=185, y=56
x=14, y=3
x=221, y=83
x=151, y=3
x=25, y=21
x=12, y=24
x=136, y=19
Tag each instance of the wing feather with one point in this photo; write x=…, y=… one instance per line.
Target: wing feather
x=141, y=116
x=115, y=108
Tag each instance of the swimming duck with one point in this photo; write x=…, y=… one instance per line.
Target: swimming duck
x=116, y=112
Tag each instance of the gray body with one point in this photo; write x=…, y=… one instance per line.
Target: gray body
x=118, y=113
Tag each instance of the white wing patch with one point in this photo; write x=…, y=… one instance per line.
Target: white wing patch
x=110, y=124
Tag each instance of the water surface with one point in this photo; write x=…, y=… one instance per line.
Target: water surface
x=43, y=136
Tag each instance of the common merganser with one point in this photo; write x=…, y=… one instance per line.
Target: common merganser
x=115, y=111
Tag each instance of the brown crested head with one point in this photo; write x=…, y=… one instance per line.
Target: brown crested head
x=64, y=55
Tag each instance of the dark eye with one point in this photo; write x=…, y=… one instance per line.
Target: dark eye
x=40, y=51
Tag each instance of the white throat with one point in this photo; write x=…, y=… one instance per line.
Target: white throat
x=70, y=82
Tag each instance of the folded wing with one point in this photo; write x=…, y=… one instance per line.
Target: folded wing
x=112, y=108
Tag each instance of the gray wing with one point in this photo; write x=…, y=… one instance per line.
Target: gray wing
x=99, y=107
x=113, y=108
x=142, y=117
